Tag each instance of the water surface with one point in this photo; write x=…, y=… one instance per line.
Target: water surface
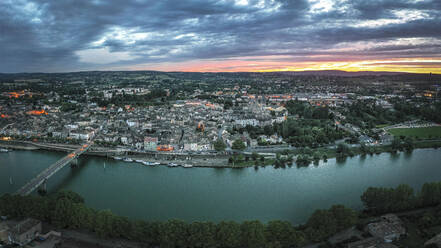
x=161, y=193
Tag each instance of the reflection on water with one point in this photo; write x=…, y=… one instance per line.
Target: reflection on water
x=160, y=193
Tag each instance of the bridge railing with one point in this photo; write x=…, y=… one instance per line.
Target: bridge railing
x=49, y=171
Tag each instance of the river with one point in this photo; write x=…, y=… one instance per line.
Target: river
x=207, y=194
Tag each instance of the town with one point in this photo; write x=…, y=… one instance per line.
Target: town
x=237, y=116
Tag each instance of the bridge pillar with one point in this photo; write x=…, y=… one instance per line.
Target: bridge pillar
x=74, y=162
x=43, y=188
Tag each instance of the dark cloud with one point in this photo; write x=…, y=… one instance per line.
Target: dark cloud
x=64, y=35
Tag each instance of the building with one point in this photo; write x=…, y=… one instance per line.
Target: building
x=390, y=228
x=246, y=122
x=434, y=242
x=25, y=231
x=4, y=230
x=370, y=243
x=150, y=143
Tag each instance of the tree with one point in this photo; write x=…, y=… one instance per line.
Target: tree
x=321, y=225
x=63, y=213
x=253, y=234
x=219, y=145
x=201, y=234
x=173, y=233
x=254, y=156
x=382, y=200
x=228, y=234
x=70, y=195
x=431, y=194
x=396, y=144
x=238, y=145
x=284, y=234
x=345, y=217
x=342, y=149
x=104, y=223
x=228, y=104
x=324, y=223
x=408, y=143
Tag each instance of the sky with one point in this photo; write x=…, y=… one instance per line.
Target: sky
x=224, y=35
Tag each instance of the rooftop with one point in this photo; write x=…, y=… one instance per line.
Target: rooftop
x=24, y=226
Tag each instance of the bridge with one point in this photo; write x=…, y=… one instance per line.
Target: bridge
x=41, y=178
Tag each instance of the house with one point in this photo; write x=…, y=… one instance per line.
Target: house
x=84, y=136
x=62, y=135
x=246, y=122
x=150, y=143
x=190, y=146
x=4, y=230
x=25, y=231
x=389, y=228
x=81, y=136
x=370, y=243
x=434, y=242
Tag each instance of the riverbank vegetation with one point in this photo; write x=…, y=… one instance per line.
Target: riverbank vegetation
x=420, y=133
x=305, y=156
x=67, y=210
x=366, y=114
x=309, y=132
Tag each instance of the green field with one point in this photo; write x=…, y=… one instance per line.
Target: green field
x=382, y=125
x=423, y=132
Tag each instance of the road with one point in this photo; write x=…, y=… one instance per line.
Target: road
x=51, y=170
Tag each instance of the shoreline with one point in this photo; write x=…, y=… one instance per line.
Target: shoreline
x=197, y=160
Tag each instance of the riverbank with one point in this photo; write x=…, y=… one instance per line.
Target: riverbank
x=419, y=213
x=197, y=194
x=224, y=160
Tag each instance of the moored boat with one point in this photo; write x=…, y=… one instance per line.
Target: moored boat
x=128, y=160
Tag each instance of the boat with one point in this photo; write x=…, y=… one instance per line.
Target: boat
x=187, y=165
x=172, y=164
x=139, y=161
x=128, y=160
x=4, y=150
x=145, y=163
x=117, y=158
x=155, y=163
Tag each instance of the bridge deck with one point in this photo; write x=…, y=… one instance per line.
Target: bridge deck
x=51, y=170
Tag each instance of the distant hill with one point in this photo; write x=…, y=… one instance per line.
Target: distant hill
x=94, y=76
x=341, y=73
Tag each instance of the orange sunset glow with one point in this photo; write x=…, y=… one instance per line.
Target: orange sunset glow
x=265, y=64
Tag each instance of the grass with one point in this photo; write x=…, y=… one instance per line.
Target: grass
x=382, y=125
x=422, y=132
x=427, y=144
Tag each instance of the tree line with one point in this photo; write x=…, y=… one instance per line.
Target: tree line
x=66, y=209
x=382, y=200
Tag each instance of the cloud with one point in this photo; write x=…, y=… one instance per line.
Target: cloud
x=69, y=35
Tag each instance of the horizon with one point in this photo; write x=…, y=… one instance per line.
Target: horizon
x=214, y=72
x=221, y=36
